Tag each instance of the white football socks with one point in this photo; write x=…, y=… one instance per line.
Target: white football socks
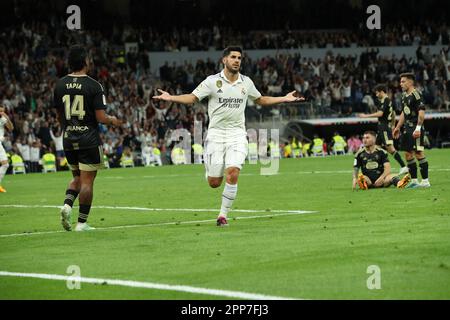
x=3, y=169
x=228, y=196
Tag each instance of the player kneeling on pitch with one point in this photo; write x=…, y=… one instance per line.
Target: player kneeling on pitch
x=374, y=164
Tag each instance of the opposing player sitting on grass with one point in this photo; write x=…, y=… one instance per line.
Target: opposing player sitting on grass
x=226, y=144
x=374, y=164
x=386, y=123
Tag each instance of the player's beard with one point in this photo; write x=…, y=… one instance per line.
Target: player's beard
x=230, y=68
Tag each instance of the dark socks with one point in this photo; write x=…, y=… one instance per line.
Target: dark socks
x=412, y=166
x=395, y=180
x=71, y=195
x=399, y=159
x=84, y=212
x=423, y=164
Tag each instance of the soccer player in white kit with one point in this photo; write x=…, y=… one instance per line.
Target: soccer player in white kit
x=4, y=123
x=226, y=143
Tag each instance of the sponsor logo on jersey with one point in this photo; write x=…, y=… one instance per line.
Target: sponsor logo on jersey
x=231, y=102
x=406, y=110
x=77, y=128
x=371, y=165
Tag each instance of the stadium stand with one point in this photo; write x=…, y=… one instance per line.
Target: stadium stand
x=32, y=57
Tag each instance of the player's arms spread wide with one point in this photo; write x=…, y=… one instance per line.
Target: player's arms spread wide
x=183, y=98
x=268, y=100
x=262, y=101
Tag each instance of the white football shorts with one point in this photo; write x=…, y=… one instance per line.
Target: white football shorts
x=219, y=156
x=3, y=156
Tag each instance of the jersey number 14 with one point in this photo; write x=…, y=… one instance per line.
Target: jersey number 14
x=74, y=109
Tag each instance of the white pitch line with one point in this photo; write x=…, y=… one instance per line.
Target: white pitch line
x=148, y=285
x=153, y=209
x=158, y=224
x=257, y=174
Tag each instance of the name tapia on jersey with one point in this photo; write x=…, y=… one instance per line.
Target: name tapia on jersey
x=77, y=98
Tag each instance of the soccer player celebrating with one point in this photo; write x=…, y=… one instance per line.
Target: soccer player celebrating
x=374, y=164
x=412, y=141
x=81, y=104
x=226, y=145
x=386, y=121
x=4, y=123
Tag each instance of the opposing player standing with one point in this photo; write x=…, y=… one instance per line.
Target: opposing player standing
x=386, y=122
x=226, y=145
x=5, y=122
x=411, y=119
x=81, y=104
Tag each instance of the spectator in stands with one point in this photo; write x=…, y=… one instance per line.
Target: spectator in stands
x=354, y=143
x=31, y=56
x=35, y=156
x=58, y=142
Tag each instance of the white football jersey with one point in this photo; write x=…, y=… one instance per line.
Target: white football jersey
x=226, y=105
x=3, y=122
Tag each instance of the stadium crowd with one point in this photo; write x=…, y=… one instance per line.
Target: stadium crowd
x=32, y=58
x=428, y=33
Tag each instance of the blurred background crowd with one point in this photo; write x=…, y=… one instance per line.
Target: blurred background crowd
x=33, y=54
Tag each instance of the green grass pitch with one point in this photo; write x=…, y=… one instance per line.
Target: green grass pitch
x=321, y=255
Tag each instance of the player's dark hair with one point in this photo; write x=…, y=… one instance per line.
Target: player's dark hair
x=77, y=58
x=227, y=50
x=408, y=75
x=380, y=88
x=372, y=133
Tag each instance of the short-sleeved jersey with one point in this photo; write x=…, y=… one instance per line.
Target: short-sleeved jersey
x=76, y=98
x=411, y=105
x=385, y=106
x=371, y=164
x=3, y=122
x=226, y=105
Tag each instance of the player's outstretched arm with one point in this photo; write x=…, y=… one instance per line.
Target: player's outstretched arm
x=102, y=117
x=268, y=100
x=377, y=114
x=183, y=98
